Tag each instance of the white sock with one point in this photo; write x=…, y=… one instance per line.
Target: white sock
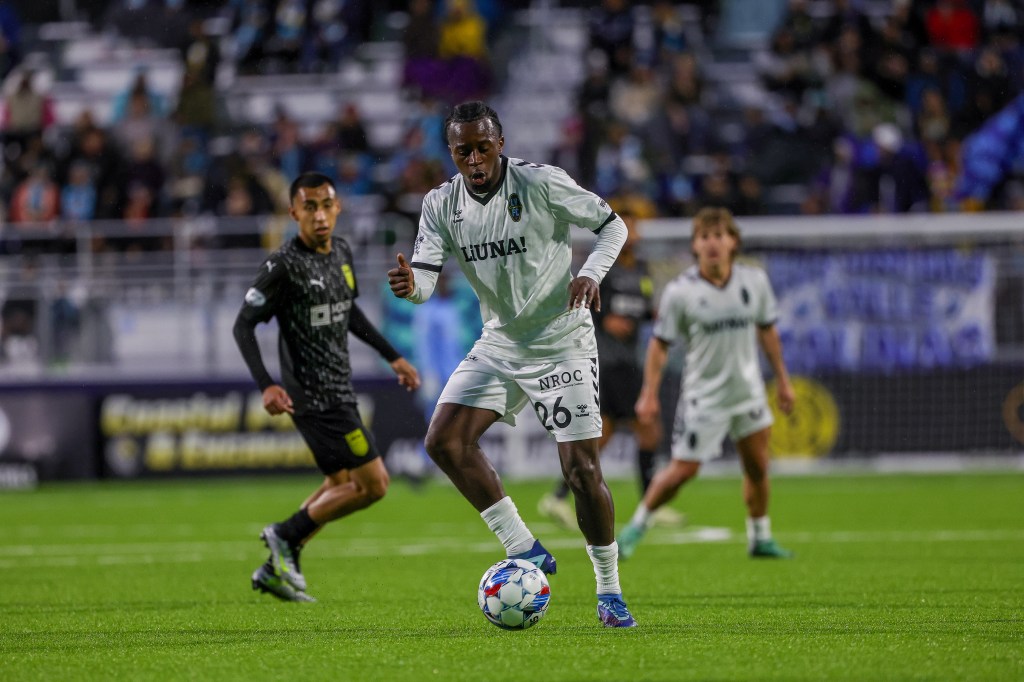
x=606, y=567
x=641, y=517
x=503, y=519
x=758, y=529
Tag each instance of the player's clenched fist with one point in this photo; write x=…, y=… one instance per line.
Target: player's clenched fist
x=401, y=279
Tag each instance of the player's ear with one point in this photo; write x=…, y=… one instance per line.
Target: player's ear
x=501, y=143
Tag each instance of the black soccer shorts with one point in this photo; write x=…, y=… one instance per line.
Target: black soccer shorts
x=337, y=438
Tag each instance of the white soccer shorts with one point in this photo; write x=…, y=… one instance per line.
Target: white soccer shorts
x=564, y=394
x=698, y=437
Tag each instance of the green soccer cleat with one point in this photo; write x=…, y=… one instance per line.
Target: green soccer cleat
x=628, y=539
x=768, y=549
x=267, y=582
x=283, y=558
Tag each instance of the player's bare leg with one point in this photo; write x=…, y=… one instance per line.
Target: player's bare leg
x=453, y=442
x=595, y=512
x=663, y=488
x=753, y=451
x=349, y=492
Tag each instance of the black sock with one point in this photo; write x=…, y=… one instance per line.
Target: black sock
x=297, y=528
x=562, y=490
x=646, y=463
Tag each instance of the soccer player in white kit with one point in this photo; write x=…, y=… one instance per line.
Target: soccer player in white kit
x=722, y=310
x=506, y=223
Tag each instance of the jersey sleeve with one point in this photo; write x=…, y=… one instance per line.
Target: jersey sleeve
x=264, y=296
x=429, y=252
x=671, y=319
x=570, y=203
x=768, y=309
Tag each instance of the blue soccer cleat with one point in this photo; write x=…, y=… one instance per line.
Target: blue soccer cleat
x=612, y=611
x=539, y=557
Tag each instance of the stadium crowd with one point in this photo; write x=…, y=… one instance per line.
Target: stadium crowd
x=859, y=107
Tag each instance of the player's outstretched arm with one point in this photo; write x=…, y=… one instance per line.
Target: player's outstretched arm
x=768, y=338
x=401, y=279
x=648, y=405
x=407, y=374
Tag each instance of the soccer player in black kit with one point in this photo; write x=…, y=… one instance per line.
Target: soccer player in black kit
x=309, y=285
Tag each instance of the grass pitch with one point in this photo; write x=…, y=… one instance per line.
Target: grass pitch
x=896, y=578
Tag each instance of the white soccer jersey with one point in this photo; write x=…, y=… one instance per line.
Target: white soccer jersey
x=722, y=376
x=514, y=247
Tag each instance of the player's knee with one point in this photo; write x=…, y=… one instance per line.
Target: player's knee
x=375, y=489
x=442, y=447
x=582, y=473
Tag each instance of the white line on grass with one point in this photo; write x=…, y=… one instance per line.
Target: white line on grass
x=136, y=553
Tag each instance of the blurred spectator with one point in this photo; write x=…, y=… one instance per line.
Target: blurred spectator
x=10, y=38
x=988, y=90
x=196, y=112
x=142, y=170
x=139, y=89
x=201, y=52
x=142, y=124
x=36, y=199
x=289, y=153
x=611, y=31
x=669, y=31
x=784, y=67
x=78, y=197
x=329, y=39
x=26, y=112
x=952, y=25
x=621, y=162
x=463, y=45
x=250, y=30
x=350, y=131
x=423, y=69
x=285, y=43
x=634, y=99
x=91, y=149
x=893, y=181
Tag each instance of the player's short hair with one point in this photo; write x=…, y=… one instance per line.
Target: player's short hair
x=467, y=112
x=307, y=180
x=716, y=215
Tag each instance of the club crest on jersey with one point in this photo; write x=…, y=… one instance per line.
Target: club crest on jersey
x=515, y=208
x=350, y=277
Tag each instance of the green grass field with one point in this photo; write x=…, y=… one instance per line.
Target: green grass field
x=896, y=578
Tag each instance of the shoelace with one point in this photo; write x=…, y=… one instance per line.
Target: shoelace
x=617, y=607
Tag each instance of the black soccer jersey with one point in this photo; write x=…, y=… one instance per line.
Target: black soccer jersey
x=312, y=295
x=627, y=292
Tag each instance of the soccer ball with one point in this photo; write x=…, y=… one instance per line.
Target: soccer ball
x=514, y=594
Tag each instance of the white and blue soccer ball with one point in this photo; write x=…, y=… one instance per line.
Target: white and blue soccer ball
x=514, y=594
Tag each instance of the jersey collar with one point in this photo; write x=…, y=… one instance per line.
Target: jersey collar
x=483, y=200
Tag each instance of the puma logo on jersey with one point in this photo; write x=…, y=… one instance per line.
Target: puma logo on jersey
x=500, y=249
x=318, y=282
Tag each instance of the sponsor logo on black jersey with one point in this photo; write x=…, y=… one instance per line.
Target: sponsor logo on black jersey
x=515, y=208
x=502, y=249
